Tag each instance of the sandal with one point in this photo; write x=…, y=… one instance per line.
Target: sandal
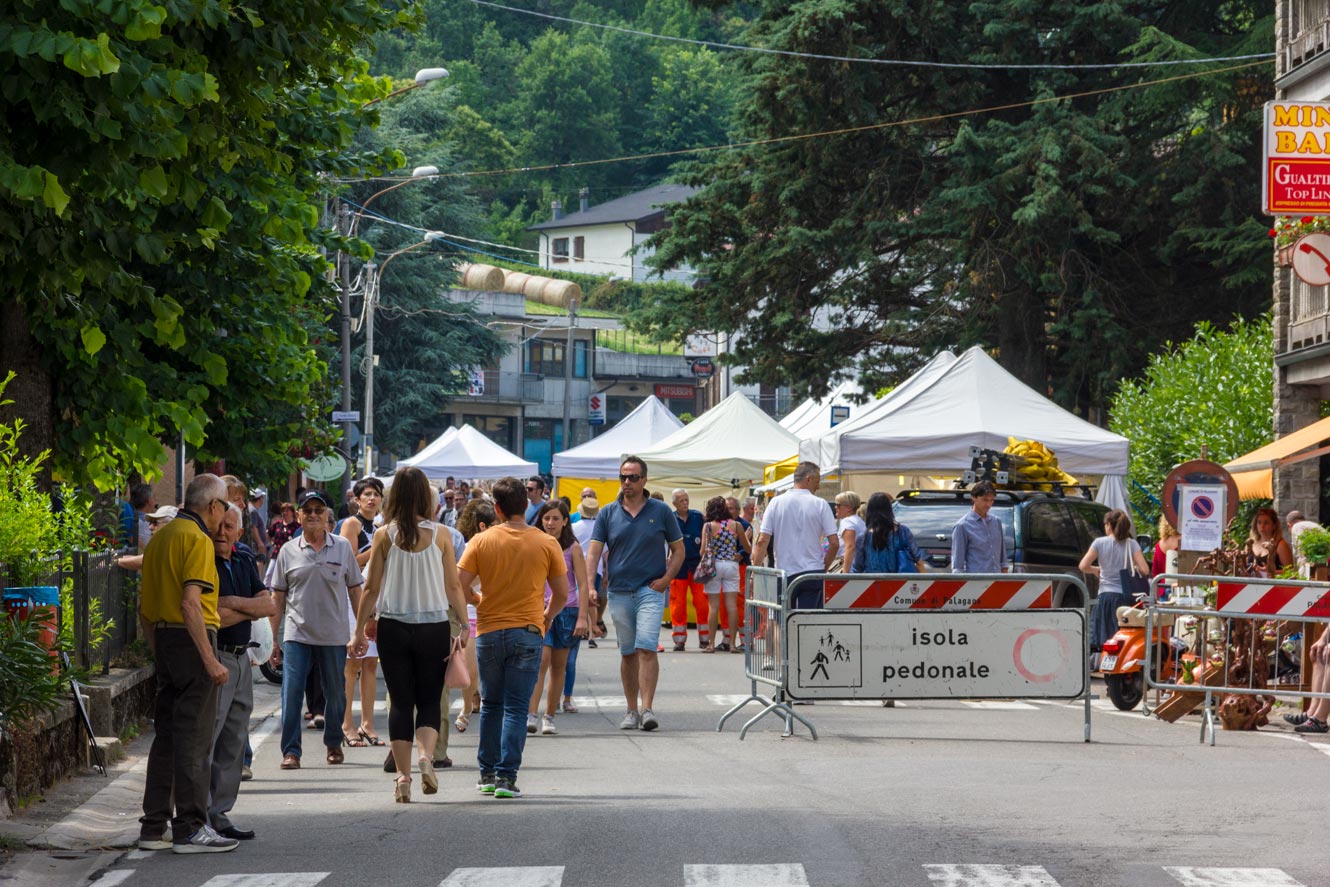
x=461, y=723
x=402, y=790
x=370, y=738
x=568, y=705
x=709, y=648
x=353, y=742
x=427, y=777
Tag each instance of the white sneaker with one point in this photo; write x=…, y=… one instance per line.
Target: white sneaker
x=531, y=723
x=649, y=721
x=630, y=721
x=547, y=726
x=205, y=840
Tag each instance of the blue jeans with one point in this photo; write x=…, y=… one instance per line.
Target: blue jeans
x=509, y=664
x=297, y=661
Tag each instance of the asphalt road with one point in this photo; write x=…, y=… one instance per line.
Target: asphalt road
x=928, y=793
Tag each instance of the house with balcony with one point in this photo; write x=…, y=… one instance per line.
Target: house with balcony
x=519, y=401
x=1301, y=311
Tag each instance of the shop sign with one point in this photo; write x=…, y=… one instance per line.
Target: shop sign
x=702, y=367
x=700, y=345
x=678, y=392
x=595, y=414
x=1295, y=174
x=839, y=414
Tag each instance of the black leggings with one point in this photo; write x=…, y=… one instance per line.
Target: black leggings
x=413, y=657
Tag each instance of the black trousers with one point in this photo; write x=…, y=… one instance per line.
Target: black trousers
x=413, y=657
x=184, y=718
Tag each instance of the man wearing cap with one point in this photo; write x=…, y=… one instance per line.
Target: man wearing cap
x=313, y=577
x=241, y=599
x=178, y=614
x=258, y=528
x=584, y=522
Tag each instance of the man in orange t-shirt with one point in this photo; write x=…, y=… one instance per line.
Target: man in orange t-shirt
x=513, y=562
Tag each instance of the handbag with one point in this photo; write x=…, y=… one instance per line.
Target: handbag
x=904, y=563
x=1132, y=584
x=706, y=566
x=456, y=676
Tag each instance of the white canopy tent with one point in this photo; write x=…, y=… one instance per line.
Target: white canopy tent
x=723, y=449
x=972, y=402
x=825, y=449
x=466, y=453
x=812, y=418
x=647, y=425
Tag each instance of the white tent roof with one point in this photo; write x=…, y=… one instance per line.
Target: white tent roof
x=974, y=402
x=734, y=440
x=812, y=418
x=468, y=453
x=647, y=425
x=825, y=449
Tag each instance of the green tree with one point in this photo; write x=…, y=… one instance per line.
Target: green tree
x=1074, y=235
x=1212, y=390
x=160, y=173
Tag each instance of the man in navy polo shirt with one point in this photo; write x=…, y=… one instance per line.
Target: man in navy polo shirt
x=636, y=530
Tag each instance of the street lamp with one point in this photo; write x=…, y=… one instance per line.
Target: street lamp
x=424, y=77
x=373, y=275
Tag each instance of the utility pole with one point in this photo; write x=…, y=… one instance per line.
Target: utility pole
x=371, y=306
x=344, y=268
x=568, y=371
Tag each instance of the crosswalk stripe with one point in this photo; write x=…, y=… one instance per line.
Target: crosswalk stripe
x=994, y=705
x=517, y=876
x=1189, y=876
x=115, y=879
x=990, y=876
x=267, y=879
x=744, y=876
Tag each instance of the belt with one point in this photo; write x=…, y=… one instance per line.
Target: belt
x=235, y=649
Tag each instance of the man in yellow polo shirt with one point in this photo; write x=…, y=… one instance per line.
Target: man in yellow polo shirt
x=178, y=612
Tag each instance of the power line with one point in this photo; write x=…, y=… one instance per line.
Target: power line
x=738, y=47
x=776, y=140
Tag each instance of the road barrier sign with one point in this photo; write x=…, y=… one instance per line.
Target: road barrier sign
x=934, y=593
x=886, y=654
x=1286, y=601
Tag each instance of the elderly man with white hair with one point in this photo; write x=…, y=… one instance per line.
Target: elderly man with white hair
x=684, y=585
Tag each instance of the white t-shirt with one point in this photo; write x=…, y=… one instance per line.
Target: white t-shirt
x=797, y=522
x=856, y=523
x=582, y=533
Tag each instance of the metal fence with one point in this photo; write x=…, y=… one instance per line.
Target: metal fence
x=94, y=593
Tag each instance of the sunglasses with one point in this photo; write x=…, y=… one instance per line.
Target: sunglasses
x=630, y=478
x=314, y=512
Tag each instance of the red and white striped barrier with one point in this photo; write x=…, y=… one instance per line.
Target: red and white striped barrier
x=1264, y=599
x=938, y=594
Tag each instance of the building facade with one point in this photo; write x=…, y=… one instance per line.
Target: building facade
x=1301, y=312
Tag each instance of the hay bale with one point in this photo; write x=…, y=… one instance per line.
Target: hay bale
x=481, y=277
x=513, y=281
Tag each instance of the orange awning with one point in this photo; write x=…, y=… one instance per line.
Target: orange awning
x=1254, y=472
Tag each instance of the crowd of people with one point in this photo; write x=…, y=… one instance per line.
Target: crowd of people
x=491, y=592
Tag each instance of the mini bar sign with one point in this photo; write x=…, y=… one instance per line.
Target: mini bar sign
x=1296, y=172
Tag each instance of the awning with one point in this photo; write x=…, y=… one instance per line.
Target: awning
x=1254, y=472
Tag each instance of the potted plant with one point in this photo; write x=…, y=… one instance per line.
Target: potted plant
x=1287, y=231
x=1314, y=544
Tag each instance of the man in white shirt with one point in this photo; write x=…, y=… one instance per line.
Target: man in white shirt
x=800, y=523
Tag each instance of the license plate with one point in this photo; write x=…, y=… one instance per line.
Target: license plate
x=1108, y=663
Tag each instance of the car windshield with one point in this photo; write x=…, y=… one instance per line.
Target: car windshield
x=931, y=522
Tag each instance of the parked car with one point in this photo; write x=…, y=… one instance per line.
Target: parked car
x=1045, y=532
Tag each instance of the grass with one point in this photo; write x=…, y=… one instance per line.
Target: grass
x=619, y=340
x=533, y=307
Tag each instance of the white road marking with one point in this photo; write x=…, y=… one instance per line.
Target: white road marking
x=727, y=699
x=114, y=879
x=524, y=876
x=998, y=706
x=141, y=854
x=990, y=876
x=1216, y=877
x=744, y=876
x=268, y=879
x=270, y=725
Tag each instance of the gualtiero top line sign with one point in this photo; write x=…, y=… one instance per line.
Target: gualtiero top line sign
x=1296, y=172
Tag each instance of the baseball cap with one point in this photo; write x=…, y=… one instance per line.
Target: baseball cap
x=257, y=493
x=312, y=495
x=166, y=512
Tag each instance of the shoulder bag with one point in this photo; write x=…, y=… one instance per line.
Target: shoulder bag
x=1132, y=583
x=706, y=566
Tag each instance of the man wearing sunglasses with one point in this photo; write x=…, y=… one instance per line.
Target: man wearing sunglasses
x=636, y=530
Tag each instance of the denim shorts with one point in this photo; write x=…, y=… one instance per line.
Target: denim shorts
x=637, y=617
x=560, y=635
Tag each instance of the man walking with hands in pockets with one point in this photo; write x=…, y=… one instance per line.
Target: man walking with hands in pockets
x=636, y=530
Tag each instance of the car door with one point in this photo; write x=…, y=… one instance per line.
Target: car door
x=1050, y=542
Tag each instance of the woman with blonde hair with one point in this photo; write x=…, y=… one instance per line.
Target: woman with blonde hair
x=1169, y=540
x=850, y=525
x=1268, y=551
x=412, y=582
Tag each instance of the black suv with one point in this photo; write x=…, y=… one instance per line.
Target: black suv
x=1045, y=533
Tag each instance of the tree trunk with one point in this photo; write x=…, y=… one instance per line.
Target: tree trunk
x=1021, y=339
x=31, y=390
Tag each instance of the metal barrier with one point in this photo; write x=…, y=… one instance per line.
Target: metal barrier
x=765, y=660
x=1254, y=602
x=1047, y=657
x=103, y=587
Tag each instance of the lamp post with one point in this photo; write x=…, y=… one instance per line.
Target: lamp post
x=568, y=370
x=373, y=276
x=346, y=224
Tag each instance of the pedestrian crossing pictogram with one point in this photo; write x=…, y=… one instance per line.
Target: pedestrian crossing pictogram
x=830, y=655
